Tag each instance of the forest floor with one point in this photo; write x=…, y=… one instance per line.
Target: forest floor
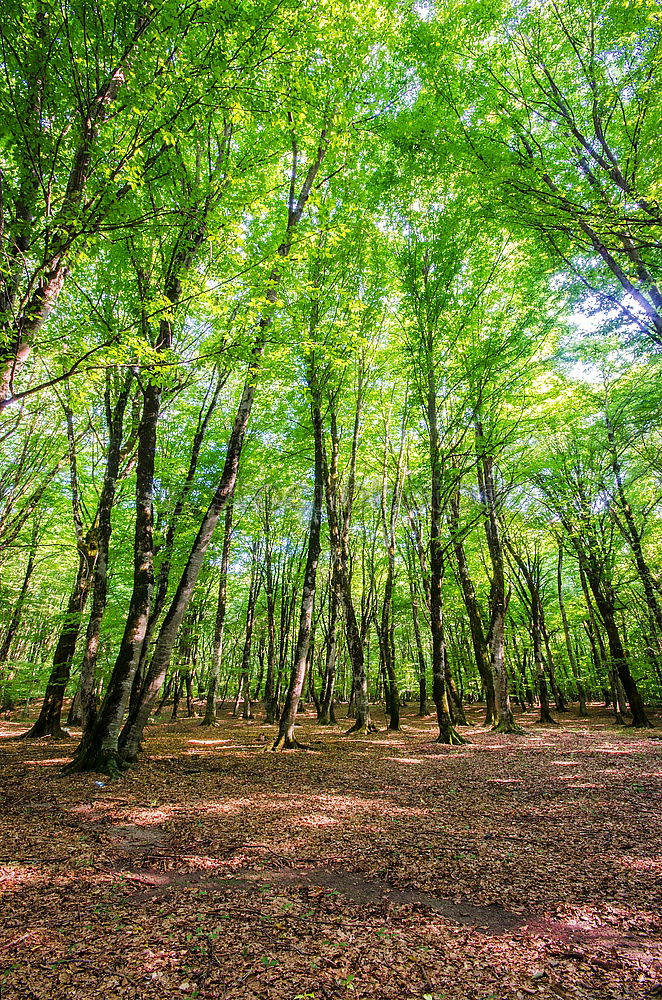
x=372, y=867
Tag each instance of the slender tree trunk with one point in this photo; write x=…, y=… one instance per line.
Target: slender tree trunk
x=545, y=715
x=385, y=632
x=240, y=691
x=479, y=639
x=339, y=511
x=559, y=699
x=385, y=649
x=219, y=627
x=177, y=695
x=115, y=421
x=572, y=659
x=17, y=612
x=49, y=721
x=286, y=737
x=270, y=594
x=423, y=707
x=327, y=713
x=505, y=722
x=188, y=680
x=447, y=732
x=253, y=593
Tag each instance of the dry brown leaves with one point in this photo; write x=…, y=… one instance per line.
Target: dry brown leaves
x=377, y=867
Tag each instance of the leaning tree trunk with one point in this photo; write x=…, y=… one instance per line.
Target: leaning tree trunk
x=133, y=729
x=49, y=721
x=219, y=627
x=17, y=612
x=135, y=724
x=619, y=661
x=98, y=750
x=165, y=551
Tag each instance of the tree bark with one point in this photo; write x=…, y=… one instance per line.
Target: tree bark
x=572, y=659
x=327, y=712
x=115, y=422
x=286, y=738
x=505, y=722
x=479, y=639
x=17, y=612
x=135, y=724
x=98, y=750
x=219, y=626
x=447, y=732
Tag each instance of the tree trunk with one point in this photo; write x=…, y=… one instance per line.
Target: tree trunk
x=115, y=421
x=619, y=660
x=135, y=724
x=545, y=715
x=270, y=594
x=505, y=722
x=327, y=712
x=423, y=707
x=133, y=729
x=188, y=680
x=479, y=639
x=339, y=512
x=219, y=627
x=99, y=750
x=17, y=612
x=49, y=721
x=286, y=738
x=447, y=732
x=572, y=659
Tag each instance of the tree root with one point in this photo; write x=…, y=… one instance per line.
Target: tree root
x=38, y=734
x=508, y=727
x=287, y=743
x=362, y=729
x=644, y=723
x=451, y=738
x=108, y=762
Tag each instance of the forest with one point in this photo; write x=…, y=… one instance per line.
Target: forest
x=330, y=394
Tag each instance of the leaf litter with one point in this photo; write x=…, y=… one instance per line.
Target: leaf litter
x=377, y=867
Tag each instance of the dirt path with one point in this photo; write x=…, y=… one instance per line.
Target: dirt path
x=381, y=867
